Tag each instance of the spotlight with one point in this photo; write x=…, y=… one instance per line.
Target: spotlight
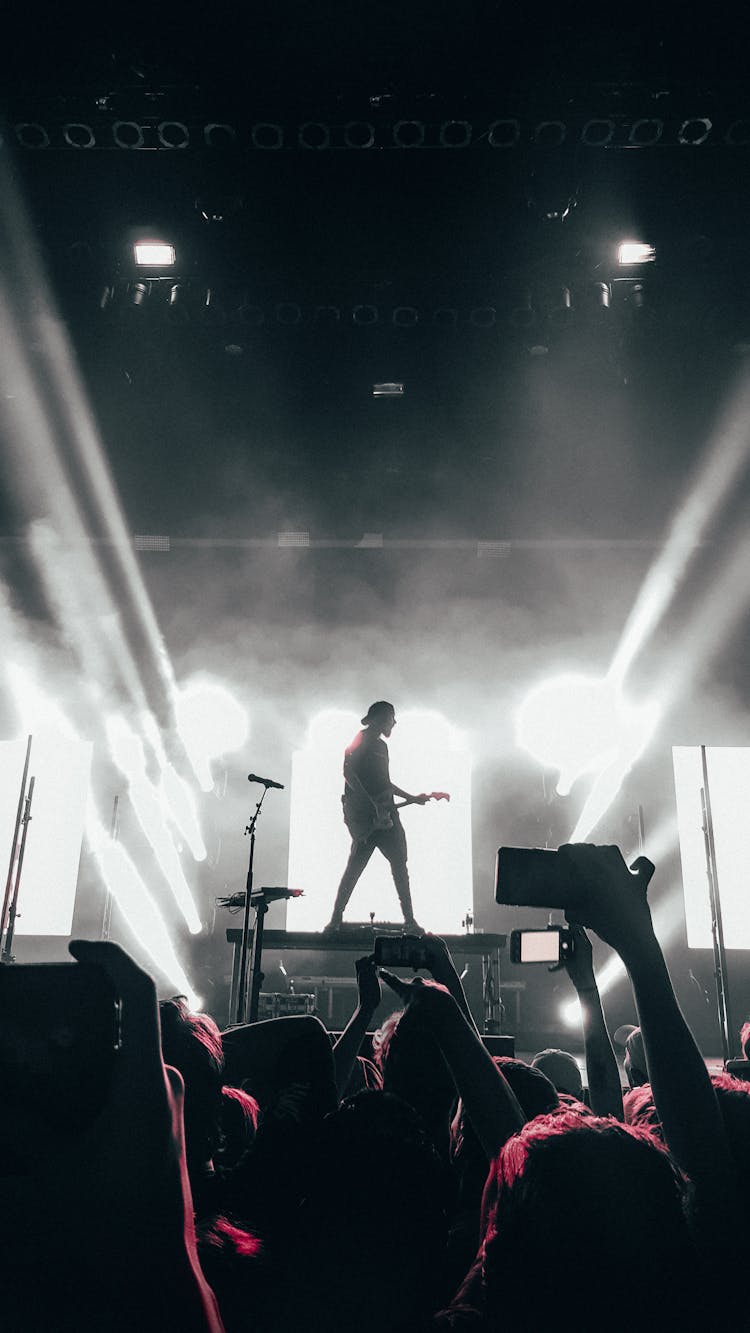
x=394, y=390
x=177, y=308
x=138, y=293
x=635, y=252
x=154, y=254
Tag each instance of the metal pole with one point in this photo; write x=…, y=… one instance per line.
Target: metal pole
x=14, y=845
x=7, y=954
x=107, y=914
x=717, y=929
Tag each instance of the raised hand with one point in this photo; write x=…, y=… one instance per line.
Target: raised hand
x=368, y=983
x=579, y=963
x=439, y=961
x=428, y=996
x=613, y=898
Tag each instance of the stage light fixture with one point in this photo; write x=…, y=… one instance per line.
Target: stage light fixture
x=635, y=252
x=138, y=293
x=154, y=254
x=393, y=390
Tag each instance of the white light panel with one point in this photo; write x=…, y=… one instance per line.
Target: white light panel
x=61, y=765
x=729, y=790
x=154, y=254
x=635, y=252
x=427, y=754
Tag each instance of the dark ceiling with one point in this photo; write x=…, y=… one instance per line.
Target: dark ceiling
x=425, y=194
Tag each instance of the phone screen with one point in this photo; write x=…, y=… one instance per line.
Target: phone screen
x=540, y=946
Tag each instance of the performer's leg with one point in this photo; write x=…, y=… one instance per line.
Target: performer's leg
x=358, y=857
x=392, y=843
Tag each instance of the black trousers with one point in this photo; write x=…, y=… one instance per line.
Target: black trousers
x=392, y=843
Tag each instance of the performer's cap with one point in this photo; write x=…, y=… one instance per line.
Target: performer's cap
x=377, y=710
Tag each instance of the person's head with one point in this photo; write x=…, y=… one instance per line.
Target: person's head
x=282, y=1057
x=561, y=1069
x=634, y=1061
x=589, y=1198
x=239, y=1121
x=745, y=1039
x=532, y=1087
x=374, y=1217
x=413, y=1067
x=733, y=1095
x=639, y=1108
x=192, y=1043
x=535, y=1094
x=380, y=717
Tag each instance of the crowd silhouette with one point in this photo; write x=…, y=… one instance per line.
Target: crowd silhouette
x=263, y=1179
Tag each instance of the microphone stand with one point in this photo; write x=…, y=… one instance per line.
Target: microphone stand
x=7, y=953
x=14, y=847
x=240, y=1016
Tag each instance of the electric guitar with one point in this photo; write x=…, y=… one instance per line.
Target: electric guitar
x=361, y=823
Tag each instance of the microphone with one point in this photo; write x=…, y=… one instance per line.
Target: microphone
x=265, y=782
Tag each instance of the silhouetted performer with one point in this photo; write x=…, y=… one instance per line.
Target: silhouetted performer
x=370, y=812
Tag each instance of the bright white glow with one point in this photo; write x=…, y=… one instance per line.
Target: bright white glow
x=714, y=618
x=583, y=724
x=729, y=789
x=127, y=751
x=666, y=918
x=657, y=843
x=711, y=485
x=138, y=908
x=61, y=764
x=154, y=254
x=179, y=802
x=427, y=754
x=210, y=722
x=45, y=399
x=635, y=252
x=571, y=723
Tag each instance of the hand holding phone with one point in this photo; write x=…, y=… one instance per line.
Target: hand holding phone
x=612, y=898
x=400, y=951
x=552, y=945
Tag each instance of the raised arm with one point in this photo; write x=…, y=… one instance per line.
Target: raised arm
x=605, y=1089
x=614, y=905
x=490, y=1104
x=442, y=968
x=347, y=1047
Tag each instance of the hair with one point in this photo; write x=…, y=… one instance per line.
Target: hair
x=573, y=1191
x=412, y=1065
x=532, y=1088
x=374, y=1216
x=381, y=708
x=192, y=1043
x=239, y=1121
x=640, y=1109
x=733, y=1096
x=561, y=1069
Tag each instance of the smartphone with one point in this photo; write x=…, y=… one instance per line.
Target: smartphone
x=552, y=945
x=400, y=951
x=59, y=1037
x=534, y=877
